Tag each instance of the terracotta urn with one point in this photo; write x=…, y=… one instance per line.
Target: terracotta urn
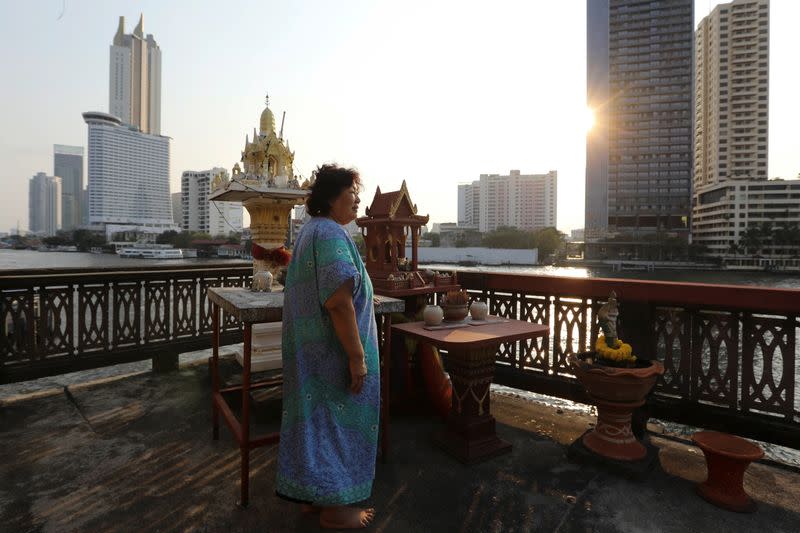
x=455, y=313
x=433, y=315
x=616, y=392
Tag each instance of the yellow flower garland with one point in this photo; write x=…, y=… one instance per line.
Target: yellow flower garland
x=621, y=351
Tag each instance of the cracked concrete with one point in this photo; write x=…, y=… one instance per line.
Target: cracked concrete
x=136, y=454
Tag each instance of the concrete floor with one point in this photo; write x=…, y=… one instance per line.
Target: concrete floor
x=135, y=454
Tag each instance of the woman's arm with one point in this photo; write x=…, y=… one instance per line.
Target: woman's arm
x=343, y=316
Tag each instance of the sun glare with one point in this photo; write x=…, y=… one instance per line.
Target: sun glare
x=588, y=120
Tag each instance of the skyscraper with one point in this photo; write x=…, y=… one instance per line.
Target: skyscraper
x=44, y=204
x=639, y=84
x=732, y=93
x=128, y=175
x=135, y=79
x=68, y=165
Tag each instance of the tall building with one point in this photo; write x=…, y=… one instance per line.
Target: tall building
x=524, y=201
x=68, y=165
x=469, y=204
x=214, y=218
x=135, y=79
x=177, y=208
x=128, y=176
x=639, y=85
x=731, y=191
x=44, y=204
x=732, y=93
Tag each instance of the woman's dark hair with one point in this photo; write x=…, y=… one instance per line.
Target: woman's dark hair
x=330, y=181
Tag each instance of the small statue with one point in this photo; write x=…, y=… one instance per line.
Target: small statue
x=607, y=319
x=306, y=185
x=293, y=183
x=271, y=182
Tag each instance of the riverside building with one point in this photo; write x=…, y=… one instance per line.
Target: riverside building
x=639, y=152
x=68, y=165
x=128, y=177
x=198, y=214
x=731, y=191
x=524, y=201
x=44, y=204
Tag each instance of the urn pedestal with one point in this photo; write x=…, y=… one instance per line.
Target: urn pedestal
x=616, y=392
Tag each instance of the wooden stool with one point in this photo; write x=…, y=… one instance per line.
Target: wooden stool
x=727, y=458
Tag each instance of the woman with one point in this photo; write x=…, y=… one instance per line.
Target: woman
x=331, y=387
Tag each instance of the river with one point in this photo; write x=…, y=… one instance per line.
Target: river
x=21, y=259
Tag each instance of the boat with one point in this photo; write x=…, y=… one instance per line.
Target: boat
x=151, y=253
x=96, y=250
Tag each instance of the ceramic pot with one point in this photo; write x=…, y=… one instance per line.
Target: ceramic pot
x=455, y=313
x=433, y=315
x=262, y=281
x=479, y=310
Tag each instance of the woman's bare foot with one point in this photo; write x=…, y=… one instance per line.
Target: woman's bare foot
x=306, y=508
x=345, y=517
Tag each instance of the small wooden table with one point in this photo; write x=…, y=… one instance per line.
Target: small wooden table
x=470, y=434
x=259, y=307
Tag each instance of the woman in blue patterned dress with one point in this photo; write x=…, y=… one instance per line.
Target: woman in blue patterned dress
x=331, y=387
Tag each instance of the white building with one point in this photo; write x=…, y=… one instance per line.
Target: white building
x=524, y=201
x=731, y=109
x=44, y=204
x=128, y=175
x=724, y=212
x=135, y=79
x=198, y=214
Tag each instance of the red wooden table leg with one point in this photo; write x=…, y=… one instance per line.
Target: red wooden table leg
x=214, y=370
x=244, y=445
x=470, y=435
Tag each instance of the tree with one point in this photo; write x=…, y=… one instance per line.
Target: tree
x=751, y=240
x=549, y=241
x=435, y=239
x=85, y=240
x=506, y=237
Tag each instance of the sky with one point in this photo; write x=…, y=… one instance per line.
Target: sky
x=433, y=92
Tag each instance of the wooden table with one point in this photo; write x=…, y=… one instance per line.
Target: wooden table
x=470, y=433
x=258, y=307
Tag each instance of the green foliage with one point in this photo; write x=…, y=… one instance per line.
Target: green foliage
x=549, y=241
x=435, y=238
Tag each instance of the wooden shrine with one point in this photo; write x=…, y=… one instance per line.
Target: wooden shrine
x=391, y=220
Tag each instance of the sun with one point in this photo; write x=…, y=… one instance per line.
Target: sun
x=588, y=119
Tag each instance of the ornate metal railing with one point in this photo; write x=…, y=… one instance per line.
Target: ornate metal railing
x=62, y=320
x=730, y=352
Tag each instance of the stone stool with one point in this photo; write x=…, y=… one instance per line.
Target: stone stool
x=727, y=457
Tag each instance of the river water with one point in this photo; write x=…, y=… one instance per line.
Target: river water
x=22, y=259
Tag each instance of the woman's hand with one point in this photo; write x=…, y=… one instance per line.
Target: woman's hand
x=358, y=373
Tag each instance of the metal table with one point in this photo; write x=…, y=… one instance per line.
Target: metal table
x=470, y=432
x=258, y=307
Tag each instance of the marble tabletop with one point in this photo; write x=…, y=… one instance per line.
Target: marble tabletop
x=255, y=307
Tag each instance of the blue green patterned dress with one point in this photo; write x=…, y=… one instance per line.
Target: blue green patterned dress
x=329, y=435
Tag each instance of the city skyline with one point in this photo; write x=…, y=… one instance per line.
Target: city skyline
x=436, y=112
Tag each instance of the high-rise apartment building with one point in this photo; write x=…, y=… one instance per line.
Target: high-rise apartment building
x=469, y=204
x=639, y=85
x=68, y=165
x=732, y=93
x=44, y=204
x=128, y=175
x=214, y=218
x=524, y=201
x=135, y=79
